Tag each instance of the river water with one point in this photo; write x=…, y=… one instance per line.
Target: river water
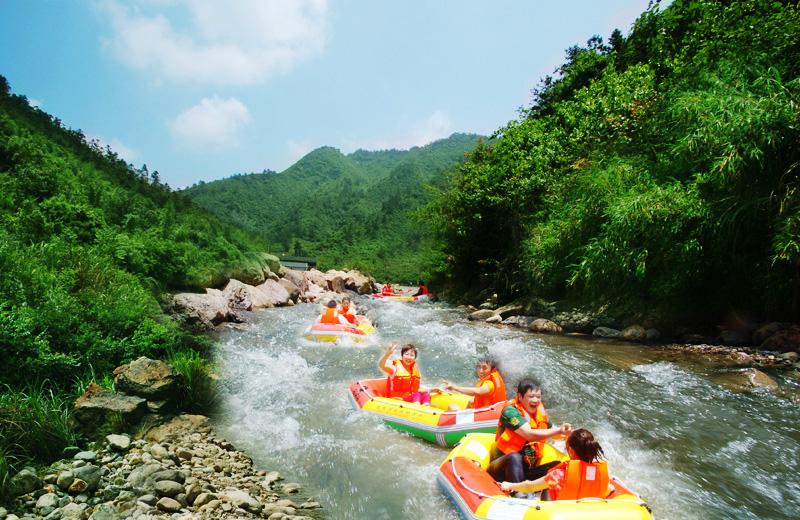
x=692, y=448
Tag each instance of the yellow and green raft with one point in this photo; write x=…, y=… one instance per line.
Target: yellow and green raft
x=434, y=423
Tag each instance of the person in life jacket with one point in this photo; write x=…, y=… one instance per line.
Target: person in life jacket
x=489, y=389
x=584, y=475
x=422, y=290
x=331, y=316
x=347, y=310
x=387, y=289
x=403, y=376
x=522, y=427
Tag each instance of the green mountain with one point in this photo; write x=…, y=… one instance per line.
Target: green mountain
x=349, y=211
x=88, y=245
x=658, y=172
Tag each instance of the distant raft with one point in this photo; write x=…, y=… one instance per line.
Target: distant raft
x=401, y=298
x=464, y=479
x=333, y=333
x=432, y=423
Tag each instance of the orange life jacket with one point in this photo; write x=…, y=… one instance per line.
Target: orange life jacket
x=496, y=395
x=403, y=382
x=581, y=480
x=387, y=290
x=423, y=288
x=329, y=316
x=349, y=315
x=509, y=441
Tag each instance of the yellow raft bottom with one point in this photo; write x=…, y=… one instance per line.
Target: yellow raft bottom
x=477, y=447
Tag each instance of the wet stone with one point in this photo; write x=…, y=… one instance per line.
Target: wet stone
x=168, y=505
x=88, y=456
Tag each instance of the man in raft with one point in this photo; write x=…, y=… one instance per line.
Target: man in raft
x=489, y=389
x=422, y=290
x=521, y=431
x=387, y=289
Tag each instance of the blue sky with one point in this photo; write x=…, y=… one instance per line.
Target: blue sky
x=203, y=89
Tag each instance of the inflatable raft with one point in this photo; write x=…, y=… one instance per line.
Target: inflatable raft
x=332, y=333
x=464, y=479
x=402, y=298
x=433, y=423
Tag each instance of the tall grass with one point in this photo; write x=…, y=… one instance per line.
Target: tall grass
x=200, y=392
x=34, y=427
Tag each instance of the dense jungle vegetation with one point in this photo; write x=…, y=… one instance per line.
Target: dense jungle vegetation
x=87, y=247
x=360, y=210
x=656, y=172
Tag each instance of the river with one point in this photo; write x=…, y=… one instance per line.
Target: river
x=692, y=448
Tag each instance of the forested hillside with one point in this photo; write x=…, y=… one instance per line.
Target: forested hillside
x=349, y=211
x=657, y=172
x=87, y=246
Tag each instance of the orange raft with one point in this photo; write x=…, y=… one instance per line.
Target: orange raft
x=335, y=332
x=434, y=423
x=401, y=297
x=464, y=479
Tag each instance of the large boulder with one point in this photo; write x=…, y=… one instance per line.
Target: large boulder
x=765, y=331
x=25, y=481
x=519, y=321
x=481, y=315
x=291, y=288
x=512, y=309
x=148, y=378
x=787, y=340
x=202, y=310
x=239, y=295
x=99, y=410
x=544, y=326
x=272, y=294
x=312, y=276
x=635, y=333
x=607, y=332
x=179, y=427
x=296, y=278
x=271, y=261
x=360, y=283
x=336, y=283
x=251, y=272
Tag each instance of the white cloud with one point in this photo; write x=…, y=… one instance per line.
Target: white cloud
x=436, y=126
x=298, y=149
x=125, y=152
x=238, y=42
x=35, y=102
x=214, y=123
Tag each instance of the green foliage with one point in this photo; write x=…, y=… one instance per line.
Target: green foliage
x=87, y=246
x=34, y=423
x=199, y=379
x=348, y=211
x=658, y=172
x=6, y=474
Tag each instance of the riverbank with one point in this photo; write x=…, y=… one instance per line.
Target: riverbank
x=750, y=352
x=179, y=469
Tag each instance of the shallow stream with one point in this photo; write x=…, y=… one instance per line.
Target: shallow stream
x=693, y=449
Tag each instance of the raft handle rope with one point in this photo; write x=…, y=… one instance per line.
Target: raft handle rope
x=538, y=503
x=435, y=411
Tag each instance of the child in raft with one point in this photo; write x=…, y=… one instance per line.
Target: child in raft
x=403, y=376
x=583, y=476
x=331, y=316
x=347, y=310
x=489, y=389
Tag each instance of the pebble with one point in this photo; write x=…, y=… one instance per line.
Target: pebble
x=154, y=480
